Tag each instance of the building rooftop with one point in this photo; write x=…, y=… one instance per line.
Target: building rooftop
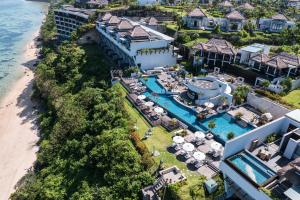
x=246, y=6
x=235, y=15
x=84, y=13
x=294, y=115
x=279, y=17
x=254, y=48
x=217, y=46
x=197, y=12
x=226, y=4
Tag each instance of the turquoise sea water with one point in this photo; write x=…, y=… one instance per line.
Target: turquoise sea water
x=19, y=21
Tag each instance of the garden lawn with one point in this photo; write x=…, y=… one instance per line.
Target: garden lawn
x=293, y=98
x=160, y=140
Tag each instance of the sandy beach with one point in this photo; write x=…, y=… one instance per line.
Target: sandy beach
x=18, y=129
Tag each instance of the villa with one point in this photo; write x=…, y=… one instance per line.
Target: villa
x=196, y=19
x=294, y=3
x=213, y=51
x=132, y=44
x=282, y=64
x=91, y=3
x=252, y=50
x=226, y=6
x=276, y=23
x=233, y=21
x=265, y=159
x=245, y=6
x=68, y=19
x=147, y=2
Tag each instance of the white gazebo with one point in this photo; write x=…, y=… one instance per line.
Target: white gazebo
x=178, y=139
x=188, y=147
x=142, y=97
x=158, y=110
x=216, y=146
x=198, y=155
x=149, y=103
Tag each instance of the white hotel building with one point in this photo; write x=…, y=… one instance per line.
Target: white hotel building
x=132, y=44
x=255, y=166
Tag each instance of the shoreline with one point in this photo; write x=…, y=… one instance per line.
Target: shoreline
x=18, y=125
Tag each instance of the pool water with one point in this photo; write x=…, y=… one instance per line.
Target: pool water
x=224, y=123
x=252, y=168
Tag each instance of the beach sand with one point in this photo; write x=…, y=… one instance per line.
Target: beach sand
x=18, y=128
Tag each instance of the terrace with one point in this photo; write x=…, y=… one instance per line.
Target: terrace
x=158, y=142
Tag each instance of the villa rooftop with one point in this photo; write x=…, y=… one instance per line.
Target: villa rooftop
x=217, y=46
x=279, y=17
x=246, y=6
x=197, y=12
x=225, y=4
x=235, y=15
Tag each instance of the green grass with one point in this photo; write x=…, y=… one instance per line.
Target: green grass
x=194, y=42
x=293, y=98
x=160, y=140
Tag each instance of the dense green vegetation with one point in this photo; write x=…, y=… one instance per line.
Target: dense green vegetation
x=85, y=146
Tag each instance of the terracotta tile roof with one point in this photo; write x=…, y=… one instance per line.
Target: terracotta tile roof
x=226, y=4
x=279, y=17
x=106, y=17
x=152, y=21
x=139, y=33
x=261, y=58
x=246, y=6
x=217, y=46
x=114, y=20
x=280, y=61
x=124, y=25
x=235, y=15
x=197, y=12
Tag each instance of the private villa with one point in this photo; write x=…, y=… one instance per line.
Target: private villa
x=265, y=163
x=214, y=51
x=68, y=19
x=233, y=21
x=132, y=44
x=276, y=23
x=282, y=64
x=196, y=19
x=248, y=52
x=293, y=3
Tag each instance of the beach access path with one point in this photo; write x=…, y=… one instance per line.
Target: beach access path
x=18, y=128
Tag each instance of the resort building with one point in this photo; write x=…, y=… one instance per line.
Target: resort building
x=91, y=3
x=282, y=64
x=132, y=44
x=276, y=23
x=68, y=19
x=196, y=19
x=264, y=163
x=233, y=21
x=214, y=51
x=245, y=6
x=226, y=6
x=250, y=51
x=209, y=88
x=294, y=3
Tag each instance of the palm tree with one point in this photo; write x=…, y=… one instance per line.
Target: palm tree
x=230, y=135
x=211, y=125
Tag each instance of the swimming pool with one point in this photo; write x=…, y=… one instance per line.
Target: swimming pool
x=252, y=168
x=224, y=123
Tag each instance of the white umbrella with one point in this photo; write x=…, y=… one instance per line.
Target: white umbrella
x=209, y=104
x=188, y=147
x=216, y=146
x=159, y=110
x=198, y=155
x=199, y=134
x=149, y=103
x=142, y=97
x=178, y=139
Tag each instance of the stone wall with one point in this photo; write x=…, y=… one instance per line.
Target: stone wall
x=265, y=105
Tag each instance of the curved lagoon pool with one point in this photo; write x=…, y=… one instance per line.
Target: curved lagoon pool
x=224, y=123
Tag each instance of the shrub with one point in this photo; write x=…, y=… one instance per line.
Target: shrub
x=271, y=138
x=230, y=135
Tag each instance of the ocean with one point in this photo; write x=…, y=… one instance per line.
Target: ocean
x=19, y=21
